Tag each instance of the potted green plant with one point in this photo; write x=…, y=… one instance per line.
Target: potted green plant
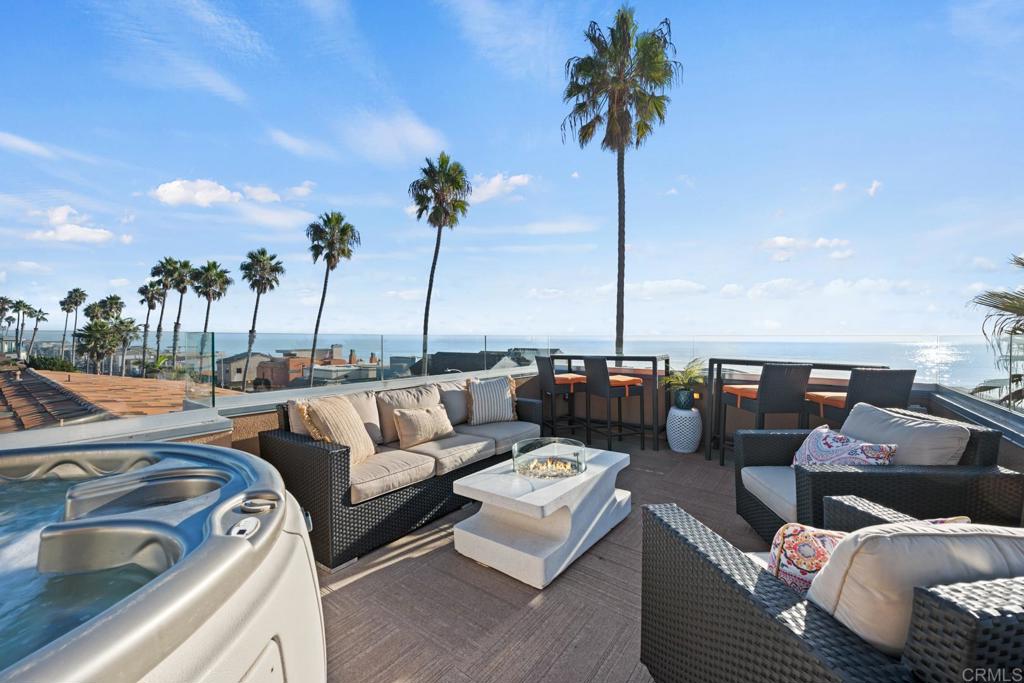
x=683, y=382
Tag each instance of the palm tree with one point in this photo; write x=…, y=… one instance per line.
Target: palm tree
x=162, y=273
x=113, y=306
x=66, y=308
x=620, y=86
x=76, y=297
x=210, y=282
x=150, y=294
x=441, y=193
x=1005, y=319
x=8, y=321
x=124, y=331
x=180, y=278
x=97, y=341
x=20, y=308
x=263, y=272
x=39, y=316
x=332, y=238
x=5, y=306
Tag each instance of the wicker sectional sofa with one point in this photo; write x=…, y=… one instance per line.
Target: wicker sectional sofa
x=975, y=487
x=710, y=612
x=357, y=509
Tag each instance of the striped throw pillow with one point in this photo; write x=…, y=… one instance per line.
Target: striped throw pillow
x=492, y=400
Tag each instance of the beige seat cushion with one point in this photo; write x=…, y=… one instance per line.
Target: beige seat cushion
x=775, y=486
x=504, y=434
x=453, y=396
x=388, y=470
x=413, y=397
x=868, y=582
x=365, y=403
x=456, y=451
x=918, y=441
x=419, y=425
x=333, y=419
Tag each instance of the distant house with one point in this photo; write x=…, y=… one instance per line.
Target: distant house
x=279, y=372
x=463, y=361
x=229, y=370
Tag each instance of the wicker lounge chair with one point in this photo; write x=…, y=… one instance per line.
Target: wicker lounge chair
x=975, y=487
x=711, y=613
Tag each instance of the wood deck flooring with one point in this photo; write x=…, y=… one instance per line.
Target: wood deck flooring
x=418, y=611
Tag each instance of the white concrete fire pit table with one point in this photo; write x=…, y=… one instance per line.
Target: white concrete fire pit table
x=532, y=528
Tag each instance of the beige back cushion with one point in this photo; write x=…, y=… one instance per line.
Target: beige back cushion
x=868, y=582
x=365, y=403
x=295, y=423
x=453, y=397
x=414, y=397
x=918, y=441
x=420, y=425
x=333, y=419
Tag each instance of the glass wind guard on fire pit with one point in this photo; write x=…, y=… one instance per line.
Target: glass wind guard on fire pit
x=549, y=457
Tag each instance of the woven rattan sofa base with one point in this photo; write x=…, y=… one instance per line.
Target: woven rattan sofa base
x=316, y=473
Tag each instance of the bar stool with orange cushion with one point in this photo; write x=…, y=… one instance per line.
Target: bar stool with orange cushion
x=564, y=384
x=604, y=385
x=882, y=388
x=780, y=389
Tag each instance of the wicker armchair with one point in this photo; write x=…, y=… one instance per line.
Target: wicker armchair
x=710, y=613
x=317, y=474
x=976, y=487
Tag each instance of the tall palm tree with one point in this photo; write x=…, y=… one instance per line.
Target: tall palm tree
x=20, y=308
x=67, y=309
x=1005, y=318
x=162, y=273
x=124, y=331
x=113, y=306
x=620, y=87
x=8, y=321
x=209, y=282
x=40, y=317
x=97, y=341
x=331, y=238
x=5, y=307
x=263, y=272
x=150, y=294
x=75, y=297
x=441, y=193
x=180, y=278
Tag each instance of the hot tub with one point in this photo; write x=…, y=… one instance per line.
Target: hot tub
x=154, y=562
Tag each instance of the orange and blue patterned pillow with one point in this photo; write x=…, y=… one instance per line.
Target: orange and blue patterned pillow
x=799, y=552
x=826, y=447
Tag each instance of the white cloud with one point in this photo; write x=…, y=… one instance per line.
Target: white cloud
x=63, y=230
x=118, y=282
x=410, y=210
x=671, y=191
x=779, y=288
x=405, y=294
x=783, y=242
x=195, y=192
x=841, y=254
x=14, y=143
x=982, y=263
x=575, y=175
x=281, y=218
x=731, y=290
x=975, y=288
x=486, y=189
x=782, y=256
x=301, y=191
x=127, y=218
x=390, y=138
x=260, y=193
x=839, y=187
x=783, y=248
x=521, y=39
x=871, y=286
x=299, y=146
x=564, y=226
x=546, y=293
x=71, y=233
x=876, y=185
x=833, y=243
x=653, y=289
x=126, y=238
x=29, y=267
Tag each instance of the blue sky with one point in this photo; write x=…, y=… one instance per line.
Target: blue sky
x=826, y=168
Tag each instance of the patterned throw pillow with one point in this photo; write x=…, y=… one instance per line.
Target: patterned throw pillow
x=826, y=447
x=492, y=400
x=799, y=552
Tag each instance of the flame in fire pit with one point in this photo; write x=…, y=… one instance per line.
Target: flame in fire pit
x=548, y=468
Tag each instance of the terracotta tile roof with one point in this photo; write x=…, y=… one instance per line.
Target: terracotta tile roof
x=44, y=398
